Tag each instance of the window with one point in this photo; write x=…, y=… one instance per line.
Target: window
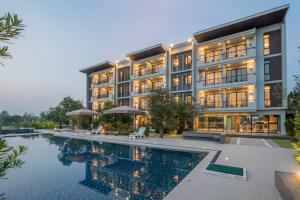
x=95, y=106
x=212, y=56
x=175, y=81
x=236, y=75
x=213, y=100
x=176, y=98
x=236, y=51
x=95, y=79
x=267, y=70
x=187, y=60
x=124, y=74
x=236, y=99
x=266, y=44
x=188, y=79
x=123, y=90
x=212, y=78
x=175, y=63
x=187, y=98
x=124, y=102
x=267, y=96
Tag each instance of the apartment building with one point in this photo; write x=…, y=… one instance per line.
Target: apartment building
x=235, y=74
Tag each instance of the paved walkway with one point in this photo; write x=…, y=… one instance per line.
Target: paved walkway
x=253, y=142
x=256, y=156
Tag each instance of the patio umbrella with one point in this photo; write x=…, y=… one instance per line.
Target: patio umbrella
x=125, y=110
x=82, y=112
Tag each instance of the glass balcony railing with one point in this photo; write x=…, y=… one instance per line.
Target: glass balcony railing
x=103, y=81
x=144, y=90
x=144, y=72
x=228, y=79
x=231, y=52
x=224, y=104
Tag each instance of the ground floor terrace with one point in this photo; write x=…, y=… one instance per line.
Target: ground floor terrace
x=241, y=152
x=263, y=122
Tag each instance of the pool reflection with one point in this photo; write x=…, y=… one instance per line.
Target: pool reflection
x=127, y=172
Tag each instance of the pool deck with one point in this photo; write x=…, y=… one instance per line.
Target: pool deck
x=259, y=157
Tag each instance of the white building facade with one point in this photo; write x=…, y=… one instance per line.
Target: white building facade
x=235, y=74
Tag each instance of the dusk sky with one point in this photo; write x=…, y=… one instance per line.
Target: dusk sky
x=62, y=37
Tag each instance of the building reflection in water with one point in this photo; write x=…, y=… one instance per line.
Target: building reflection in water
x=129, y=172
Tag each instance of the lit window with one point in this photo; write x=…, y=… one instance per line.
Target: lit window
x=175, y=62
x=187, y=60
x=188, y=99
x=95, y=106
x=267, y=70
x=266, y=44
x=267, y=96
x=175, y=81
x=188, y=80
x=176, y=98
x=95, y=79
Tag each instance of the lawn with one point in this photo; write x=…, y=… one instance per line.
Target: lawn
x=284, y=143
x=153, y=134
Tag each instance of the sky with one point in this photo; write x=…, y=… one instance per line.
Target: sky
x=62, y=37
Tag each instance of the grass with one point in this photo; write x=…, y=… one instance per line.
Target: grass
x=156, y=135
x=284, y=143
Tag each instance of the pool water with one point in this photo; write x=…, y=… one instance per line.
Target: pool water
x=65, y=168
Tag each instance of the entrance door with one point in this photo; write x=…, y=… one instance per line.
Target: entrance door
x=230, y=123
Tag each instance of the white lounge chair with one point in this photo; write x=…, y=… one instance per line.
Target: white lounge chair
x=96, y=131
x=138, y=134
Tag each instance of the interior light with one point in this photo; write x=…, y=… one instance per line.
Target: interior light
x=226, y=158
x=228, y=41
x=171, y=45
x=243, y=38
x=190, y=40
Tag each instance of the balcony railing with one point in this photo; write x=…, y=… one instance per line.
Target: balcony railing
x=212, y=56
x=181, y=87
x=224, y=104
x=104, y=81
x=103, y=96
x=145, y=72
x=228, y=79
x=147, y=90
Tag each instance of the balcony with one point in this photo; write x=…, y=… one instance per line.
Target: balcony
x=147, y=90
x=181, y=87
x=224, y=104
x=102, y=82
x=227, y=81
x=103, y=97
x=149, y=72
x=225, y=52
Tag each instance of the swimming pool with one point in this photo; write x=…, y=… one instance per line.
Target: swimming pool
x=65, y=168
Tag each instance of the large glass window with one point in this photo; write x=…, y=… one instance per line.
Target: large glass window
x=266, y=44
x=236, y=99
x=175, y=63
x=211, y=124
x=267, y=96
x=124, y=74
x=236, y=51
x=213, y=100
x=213, y=78
x=212, y=55
x=236, y=75
x=267, y=70
x=187, y=60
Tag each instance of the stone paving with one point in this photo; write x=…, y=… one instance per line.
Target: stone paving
x=256, y=155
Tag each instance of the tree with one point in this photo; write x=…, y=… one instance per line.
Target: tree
x=10, y=28
x=161, y=109
x=184, y=113
x=293, y=105
x=58, y=113
x=9, y=157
